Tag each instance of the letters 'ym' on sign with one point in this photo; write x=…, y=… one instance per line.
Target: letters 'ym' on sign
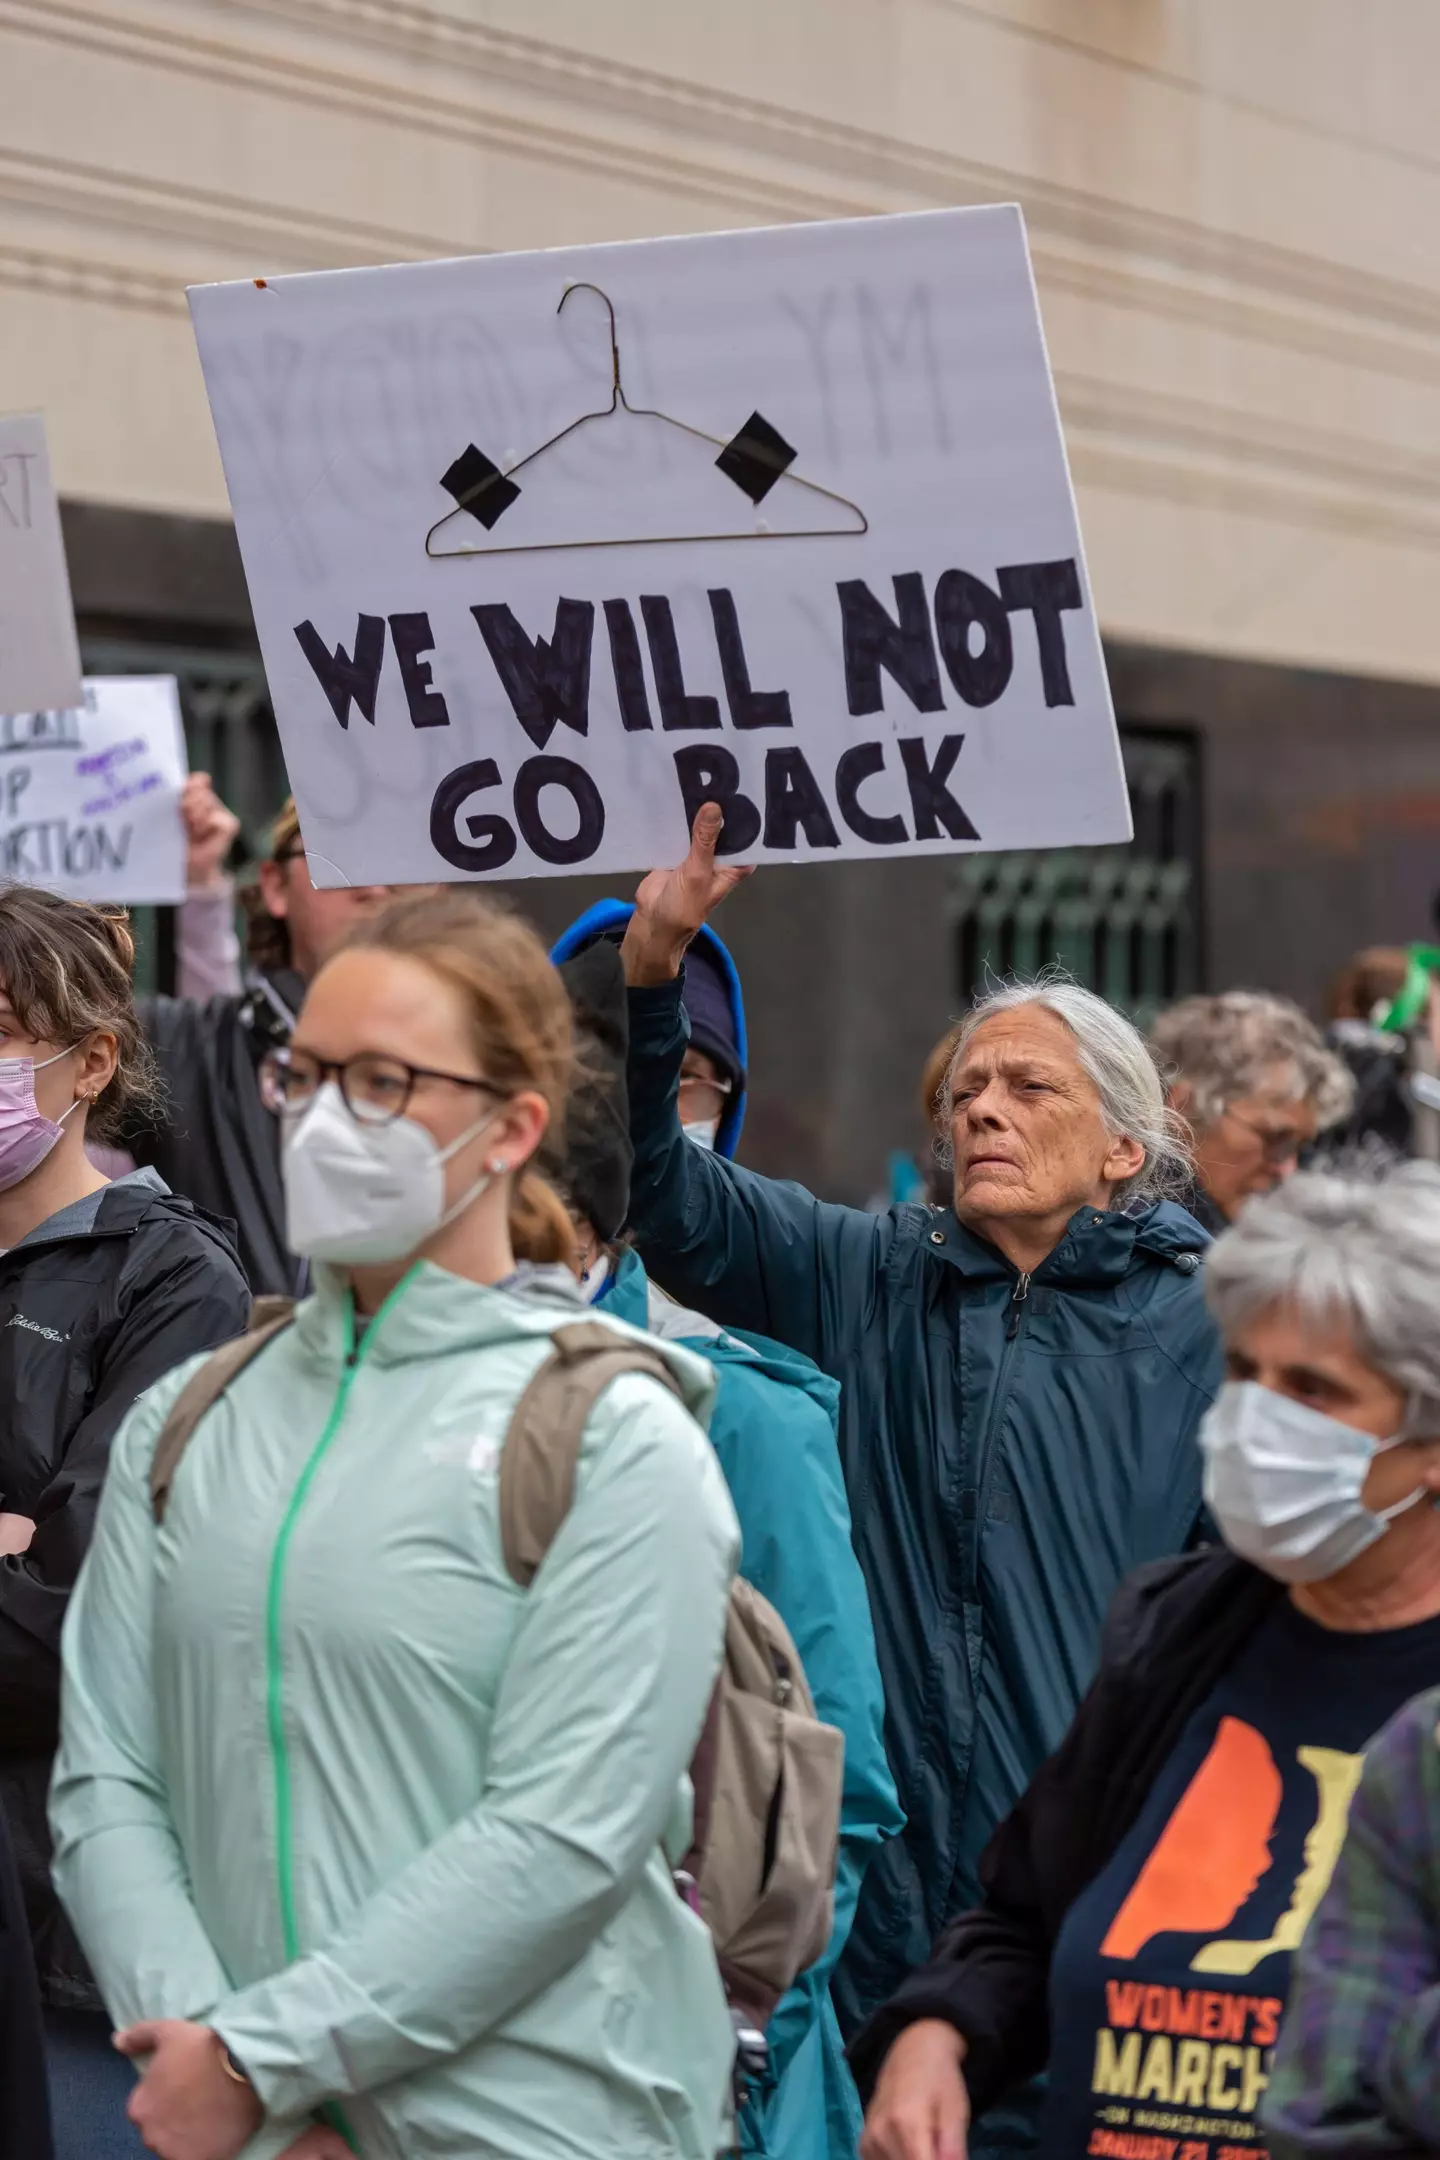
x=39, y=656
x=546, y=550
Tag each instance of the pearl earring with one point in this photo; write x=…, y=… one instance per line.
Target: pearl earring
x=497, y=1168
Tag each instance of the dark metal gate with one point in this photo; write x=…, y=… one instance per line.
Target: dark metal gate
x=1126, y=921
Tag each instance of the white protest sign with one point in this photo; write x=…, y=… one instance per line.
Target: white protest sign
x=90, y=797
x=39, y=656
x=816, y=556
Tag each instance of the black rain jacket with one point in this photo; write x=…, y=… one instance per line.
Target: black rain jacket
x=88, y=1321
x=216, y=1142
x=24, y=2091
x=1174, y=1628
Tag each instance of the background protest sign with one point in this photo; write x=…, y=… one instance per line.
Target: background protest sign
x=39, y=656
x=90, y=796
x=817, y=558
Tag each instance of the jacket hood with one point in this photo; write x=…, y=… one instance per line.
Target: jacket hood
x=130, y=1203
x=432, y=1313
x=610, y=919
x=1099, y=1245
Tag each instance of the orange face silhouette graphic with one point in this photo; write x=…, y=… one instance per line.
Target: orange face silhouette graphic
x=1212, y=1852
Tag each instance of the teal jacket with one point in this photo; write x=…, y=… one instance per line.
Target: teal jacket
x=396, y=1828
x=1011, y=1448
x=773, y=1428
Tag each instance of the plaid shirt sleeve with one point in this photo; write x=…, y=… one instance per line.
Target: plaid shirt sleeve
x=1357, y=2069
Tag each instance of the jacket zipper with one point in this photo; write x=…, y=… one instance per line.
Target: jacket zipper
x=1019, y=1298
x=274, y=1664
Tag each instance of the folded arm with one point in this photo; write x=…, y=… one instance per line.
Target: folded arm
x=598, y=1713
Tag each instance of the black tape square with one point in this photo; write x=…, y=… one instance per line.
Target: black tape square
x=756, y=457
x=488, y=491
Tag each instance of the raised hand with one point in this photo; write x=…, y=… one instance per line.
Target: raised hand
x=672, y=905
x=210, y=831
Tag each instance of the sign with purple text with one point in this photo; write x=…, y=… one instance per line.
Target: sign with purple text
x=546, y=550
x=90, y=795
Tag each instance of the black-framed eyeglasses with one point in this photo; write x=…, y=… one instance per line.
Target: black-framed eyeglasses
x=376, y=1089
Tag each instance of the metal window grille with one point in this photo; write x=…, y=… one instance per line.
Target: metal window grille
x=1126, y=921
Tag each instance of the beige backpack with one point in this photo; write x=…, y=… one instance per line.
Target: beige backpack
x=767, y=1774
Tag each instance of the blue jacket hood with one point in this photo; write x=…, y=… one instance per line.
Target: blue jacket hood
x=610, y=918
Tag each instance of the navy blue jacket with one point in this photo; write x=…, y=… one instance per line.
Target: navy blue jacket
x=1009, y=1458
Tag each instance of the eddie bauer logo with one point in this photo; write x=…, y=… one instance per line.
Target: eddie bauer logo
x=1207, y=2049
x=33, y=1327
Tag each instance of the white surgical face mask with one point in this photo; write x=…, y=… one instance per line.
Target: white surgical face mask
x=1284, y=1481
x=702, y=1132
x=357, y=1194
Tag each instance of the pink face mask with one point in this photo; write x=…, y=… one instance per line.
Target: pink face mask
x=26, y=1134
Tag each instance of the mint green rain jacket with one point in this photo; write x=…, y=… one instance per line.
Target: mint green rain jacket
x=330, y=1782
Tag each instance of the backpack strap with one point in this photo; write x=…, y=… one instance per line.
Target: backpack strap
x=542, y=1445
x=203, y=1390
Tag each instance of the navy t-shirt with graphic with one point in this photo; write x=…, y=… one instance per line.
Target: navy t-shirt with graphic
x=1171, y=1969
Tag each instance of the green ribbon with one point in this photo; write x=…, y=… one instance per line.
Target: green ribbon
x=1423, y=965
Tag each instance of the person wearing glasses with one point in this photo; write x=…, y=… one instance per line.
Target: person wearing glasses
x=370, y=1847
x=212, y=1137
x=1254, y=1081
x=711, y=1098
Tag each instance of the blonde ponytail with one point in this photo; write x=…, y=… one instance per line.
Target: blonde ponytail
x=540, y=1225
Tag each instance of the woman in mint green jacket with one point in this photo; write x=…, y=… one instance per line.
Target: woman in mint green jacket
x=354, y=1830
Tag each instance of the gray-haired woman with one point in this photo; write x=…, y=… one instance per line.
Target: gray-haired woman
x=1022, y=1373
x=1253, y=1079
x=1143, y=1901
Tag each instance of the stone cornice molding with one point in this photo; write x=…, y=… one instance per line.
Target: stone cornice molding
x=812, y=166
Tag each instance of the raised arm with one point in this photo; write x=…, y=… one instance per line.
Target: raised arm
x=750, y=1251
x=207, y=961
x=207, y=950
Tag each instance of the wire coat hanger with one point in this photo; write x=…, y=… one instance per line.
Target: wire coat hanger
x=754, y=459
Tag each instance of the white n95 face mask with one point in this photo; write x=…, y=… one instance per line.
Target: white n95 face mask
x=703, y=1132
x=1284, y=1481
x=358, y=1194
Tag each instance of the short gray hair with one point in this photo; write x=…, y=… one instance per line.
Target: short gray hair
x=1113, y=1052
x=1350, y=1248
x=1228, y=1047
